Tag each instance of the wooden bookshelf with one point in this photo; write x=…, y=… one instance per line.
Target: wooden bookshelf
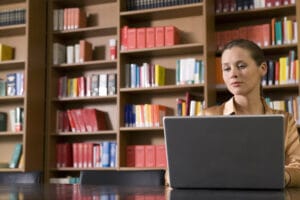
x=101, y=25
x=196, y=40
x=28, y=40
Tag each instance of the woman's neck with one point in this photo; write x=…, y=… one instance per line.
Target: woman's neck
x=248, y=106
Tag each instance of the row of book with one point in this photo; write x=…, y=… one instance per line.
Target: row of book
x=15, y=119
x=145, y=75
x=81, y=120
x=148, y=37
x=278, y=32
x=103, y=84
x=69, y=19
x=148, y=4
x=282, y=71
x=78, y=53
x=191, y=105
x=13, y=85
x=223, y=6
x=144, y=115
x=86, y=154
x=146, y=156
x=291, y=105
x=12, y=16
x=189, y=71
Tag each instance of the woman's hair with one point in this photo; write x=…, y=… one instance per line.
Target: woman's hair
x=255, y=51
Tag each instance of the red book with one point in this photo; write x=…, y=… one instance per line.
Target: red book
x=160, y=36
x=85, y=154
x=171, y=35
x=71, y=121
x=67, y=158
x=266, y=35
x=139, y=155
x=270, y=3
x=80, y=154
x=130, y=156
x=58, y=155
x=150, y=156
x=79, y=119
x=75, y=120
x=75, y=154
x=124, y=38
x=66, y=122
x=85, y=51
x=79, y=18
x=161, y=159
x=150, y=37
x=94, y=120
x=243, y=32
x=131, y=38
x=141, y=38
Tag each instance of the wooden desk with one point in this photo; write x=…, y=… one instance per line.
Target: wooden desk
x=91, y=192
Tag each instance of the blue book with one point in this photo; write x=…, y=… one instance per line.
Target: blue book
x=113, y=150
x=14, y=162
x=105, y=158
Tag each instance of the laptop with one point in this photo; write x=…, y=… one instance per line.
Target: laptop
x=225, y=152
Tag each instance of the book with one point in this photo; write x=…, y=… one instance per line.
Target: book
x=16, y=155
x=6, y=52
x=3, y=121
x=11, y=82
x=111, y=84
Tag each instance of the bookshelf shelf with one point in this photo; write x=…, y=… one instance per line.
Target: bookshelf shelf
x=164, y=51
x=11, y=98
x=164, y=12
x=11, y=170
x=13, y=64
x=86, y=99
x=108, y=132
x=166, y=88
x=141, y=168
x=80, y=169
x=8, y=2
x=9, y=133
x=88, y=65
x=86, y=32
x=81, y=3
x=254, y=14
x=134, y=129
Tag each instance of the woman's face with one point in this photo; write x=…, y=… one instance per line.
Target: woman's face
x=241, y=74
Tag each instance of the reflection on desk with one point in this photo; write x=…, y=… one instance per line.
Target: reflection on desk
x=92, y=192
x=288, y=194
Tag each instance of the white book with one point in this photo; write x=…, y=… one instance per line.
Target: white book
x=55, y=19
x=12, y=114
x=103, y=84
x=70, y=54
x=77, y=53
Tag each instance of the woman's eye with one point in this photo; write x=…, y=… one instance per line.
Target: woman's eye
x=226, y=69
x=241, y=66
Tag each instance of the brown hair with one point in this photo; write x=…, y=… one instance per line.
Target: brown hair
x=255, y=51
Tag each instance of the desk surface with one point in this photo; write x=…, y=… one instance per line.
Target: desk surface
x=90, y=192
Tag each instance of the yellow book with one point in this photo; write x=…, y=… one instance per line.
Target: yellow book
x=283, y=70
x=289, y=31
x=6, y=52
x=183, y=108
x=297, y=71
x=159, y=75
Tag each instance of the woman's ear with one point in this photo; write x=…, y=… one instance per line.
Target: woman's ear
x=263, y=68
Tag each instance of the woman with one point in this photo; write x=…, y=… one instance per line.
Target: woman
x=243, y=66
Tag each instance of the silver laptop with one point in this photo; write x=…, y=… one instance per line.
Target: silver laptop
x=228, y=152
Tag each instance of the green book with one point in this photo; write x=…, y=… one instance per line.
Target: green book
x=3, y=121
x=15, y=158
